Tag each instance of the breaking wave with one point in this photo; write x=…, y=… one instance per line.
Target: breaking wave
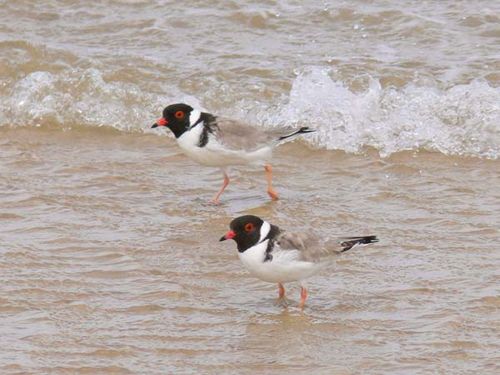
x=81, y=98
x=459, y=120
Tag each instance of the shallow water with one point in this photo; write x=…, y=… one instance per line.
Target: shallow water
x=109, y=252
x=111, y=264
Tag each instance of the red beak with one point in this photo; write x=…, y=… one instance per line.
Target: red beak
x=229, y=235
x=160, y=122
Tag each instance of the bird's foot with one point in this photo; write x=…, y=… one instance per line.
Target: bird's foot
x=283, y=302
x=273, y=194
x=303, y=297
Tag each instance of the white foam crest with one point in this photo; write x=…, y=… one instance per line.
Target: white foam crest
x=82, y=97
x=461, y=120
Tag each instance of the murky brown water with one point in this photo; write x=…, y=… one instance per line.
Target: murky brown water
x=110, y=261
x=109, y=255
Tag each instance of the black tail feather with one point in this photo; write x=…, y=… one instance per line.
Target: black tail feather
x=302, y=130
x=349, y=242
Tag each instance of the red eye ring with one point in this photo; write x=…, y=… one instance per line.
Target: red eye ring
x=249, y=227
x=179, y=114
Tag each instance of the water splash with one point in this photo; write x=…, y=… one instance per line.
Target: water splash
x=82, y=98
x=461, y=120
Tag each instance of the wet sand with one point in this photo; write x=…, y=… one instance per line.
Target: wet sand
x=110, y=261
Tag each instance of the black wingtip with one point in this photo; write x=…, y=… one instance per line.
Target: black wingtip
x=302, y=130
x=349, y=242
x=306, y=129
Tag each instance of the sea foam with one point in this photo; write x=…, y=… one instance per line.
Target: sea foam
x=462, y=119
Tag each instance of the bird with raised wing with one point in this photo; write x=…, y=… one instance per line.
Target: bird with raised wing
x=277, y=256
x=221, y=142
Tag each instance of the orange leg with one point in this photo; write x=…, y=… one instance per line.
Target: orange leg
x=269, y=178
x=281, y=291
x=282, y=300
x=303, y=297
x=224, y=185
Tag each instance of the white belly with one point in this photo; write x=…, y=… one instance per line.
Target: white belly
x=215, y=155
x=284, y=267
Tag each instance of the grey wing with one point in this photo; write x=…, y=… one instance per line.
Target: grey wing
x=310, y=248
x=313, y=250
x=240, y=136
x=237, y=135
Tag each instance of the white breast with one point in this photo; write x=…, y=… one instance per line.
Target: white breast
x=216, y=155
x=190, y=139
x=189, y=142
x=285, y=265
